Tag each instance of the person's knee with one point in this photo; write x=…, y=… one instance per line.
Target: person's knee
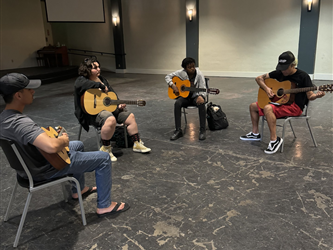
x=268, y=109
x=80, y=146
x=105, y=158
x=253, y=107
x=178, y=104
x=131, y=117
x=110, y=122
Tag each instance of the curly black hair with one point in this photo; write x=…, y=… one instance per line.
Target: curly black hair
x=86, y=66
x=187, y=61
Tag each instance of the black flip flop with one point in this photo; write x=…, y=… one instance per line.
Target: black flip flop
x=114, y=210
x=86, y=194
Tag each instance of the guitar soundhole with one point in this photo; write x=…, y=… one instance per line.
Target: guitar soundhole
x=182, y=88
x=279, y=93
x=107, y=101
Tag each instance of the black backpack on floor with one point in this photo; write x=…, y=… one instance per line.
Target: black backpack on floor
x=216, y=118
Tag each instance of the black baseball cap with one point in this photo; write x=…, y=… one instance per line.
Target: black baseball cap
x=14, y=82
x=285, y=59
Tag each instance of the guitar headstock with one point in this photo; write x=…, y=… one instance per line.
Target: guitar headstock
x=141, y=103
x=326, y=88
x=213, y=91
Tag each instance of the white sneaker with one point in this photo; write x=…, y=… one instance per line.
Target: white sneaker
x=139, y=147
x=273, y=147
x=108, y=149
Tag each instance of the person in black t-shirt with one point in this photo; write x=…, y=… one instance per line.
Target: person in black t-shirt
x=285, y=71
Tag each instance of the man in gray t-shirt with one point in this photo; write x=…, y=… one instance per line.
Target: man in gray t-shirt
x=17, y=91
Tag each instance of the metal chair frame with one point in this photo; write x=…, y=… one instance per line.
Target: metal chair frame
x=18, y=161
x=288, y=119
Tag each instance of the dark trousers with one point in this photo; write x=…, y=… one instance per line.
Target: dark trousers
x=185, y=102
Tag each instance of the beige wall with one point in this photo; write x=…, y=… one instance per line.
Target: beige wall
x=88, y=36
x=324, y=54
x=154, y=34
x=236, y=37
x=245, y=38
x=21, y=33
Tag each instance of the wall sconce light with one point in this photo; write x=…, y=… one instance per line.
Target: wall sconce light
x=310, y=2
x=115, y=20
x=190, y=14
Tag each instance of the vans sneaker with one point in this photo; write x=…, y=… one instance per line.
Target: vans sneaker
x=139, y=147
x=274, y=146
x=108, y=149
x=250, y=137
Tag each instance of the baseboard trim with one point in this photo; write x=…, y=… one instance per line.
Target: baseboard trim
x=319, y=76
x=315, y=76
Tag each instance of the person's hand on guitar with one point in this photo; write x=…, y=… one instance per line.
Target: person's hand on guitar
x=64, y=138
x=320, y=94
x=200, y=100
x=106, y=89
x=270, y=92
x=175, y=89
x=121, y=106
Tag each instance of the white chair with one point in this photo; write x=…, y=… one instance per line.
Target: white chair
x=19, y=161
x=303, y=116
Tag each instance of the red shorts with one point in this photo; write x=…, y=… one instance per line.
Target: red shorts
x=283, y=110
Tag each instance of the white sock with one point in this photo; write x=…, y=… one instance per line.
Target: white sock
x=273, y=141
x=255, y=134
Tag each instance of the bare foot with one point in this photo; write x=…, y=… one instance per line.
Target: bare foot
x=110, y=208
x=86, y=189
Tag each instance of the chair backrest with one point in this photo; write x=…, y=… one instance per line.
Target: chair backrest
x=17, y=158
x=306, y=108
x=207, y=87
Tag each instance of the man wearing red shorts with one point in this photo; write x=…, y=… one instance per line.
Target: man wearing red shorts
x=285, y=71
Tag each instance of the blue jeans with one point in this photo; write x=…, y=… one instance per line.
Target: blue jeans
x=82, y=162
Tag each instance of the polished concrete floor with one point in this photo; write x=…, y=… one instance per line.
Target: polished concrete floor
x=221, y=193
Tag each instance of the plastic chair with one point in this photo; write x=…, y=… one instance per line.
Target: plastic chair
x=98, y=134
x=19, y=161
x=195, y=107
x=286, y=119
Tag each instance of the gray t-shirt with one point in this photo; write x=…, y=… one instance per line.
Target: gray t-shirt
x=20, y=128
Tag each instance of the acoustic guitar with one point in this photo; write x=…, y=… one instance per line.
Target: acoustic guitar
x=285, y=92
x=184, y=87
x=57, y=160
x=94, y=101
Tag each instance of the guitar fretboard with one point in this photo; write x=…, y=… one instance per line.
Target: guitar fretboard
x=123, y=102
x=194, y=89
x=298, y=90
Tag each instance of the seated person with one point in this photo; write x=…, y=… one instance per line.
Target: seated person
x=194, y=75
x=17, y=91
x=285, y=71
x=90, y=77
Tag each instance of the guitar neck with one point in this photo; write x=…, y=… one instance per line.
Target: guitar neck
x=124, y=102
x=298, y=90
x=195, y=89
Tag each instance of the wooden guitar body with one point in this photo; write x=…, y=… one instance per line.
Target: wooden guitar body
x=181, y=84
x=285, y=92
x=94, y=101
x=58, y=160
x=278, y=89
x=184, y=87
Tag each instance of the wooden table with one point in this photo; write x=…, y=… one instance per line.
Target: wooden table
x=59, y=55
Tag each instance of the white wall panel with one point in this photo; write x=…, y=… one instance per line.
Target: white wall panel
x=324, y=54
x=245, y=38
x=154, y=34
x=21, y=34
